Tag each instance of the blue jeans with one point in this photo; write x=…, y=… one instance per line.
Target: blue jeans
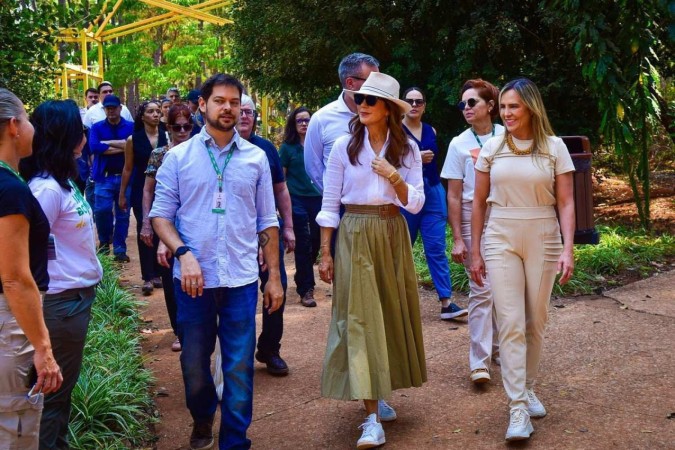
x=108, y=226
x=307, y=240
x=431, y=223
x=229, y=312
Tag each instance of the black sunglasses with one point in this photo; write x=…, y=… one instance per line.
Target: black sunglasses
x=356, y=78
x=301, y=121
x=414, y=101
x=369, y=99
x=471, y=102
x=178, y=128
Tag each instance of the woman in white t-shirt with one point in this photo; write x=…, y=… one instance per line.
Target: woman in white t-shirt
x=374, y=340
x=74, y=270
x=524, y=176
x=479, y=107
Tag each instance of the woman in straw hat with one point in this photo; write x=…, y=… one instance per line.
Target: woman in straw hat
x=375, y=335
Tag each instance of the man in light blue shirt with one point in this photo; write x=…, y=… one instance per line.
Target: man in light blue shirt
x=213, y=196
x=332, y=121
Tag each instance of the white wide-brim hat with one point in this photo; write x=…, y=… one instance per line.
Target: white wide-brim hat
x=384, y=86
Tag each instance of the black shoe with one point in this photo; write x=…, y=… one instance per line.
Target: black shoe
x=275, y=365
x=121, y=258
x=452, y=311
x=202, y=435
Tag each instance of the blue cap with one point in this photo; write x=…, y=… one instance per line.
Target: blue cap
x=111, y=100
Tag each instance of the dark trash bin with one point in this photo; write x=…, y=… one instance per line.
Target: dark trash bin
x=580, y=151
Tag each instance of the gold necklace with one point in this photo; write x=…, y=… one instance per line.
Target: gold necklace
x=515, y=150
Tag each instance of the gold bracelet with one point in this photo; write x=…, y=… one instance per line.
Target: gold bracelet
x=392, y=174
x=393, y=181
x=397, y=182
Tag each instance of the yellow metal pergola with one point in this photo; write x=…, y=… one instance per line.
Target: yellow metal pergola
x=97, y=37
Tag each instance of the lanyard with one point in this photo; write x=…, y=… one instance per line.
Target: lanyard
x=480, y=144
x=215, y=165
x=79, y=198
x=8, y=167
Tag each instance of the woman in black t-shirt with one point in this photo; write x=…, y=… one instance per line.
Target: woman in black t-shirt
x=24, y=238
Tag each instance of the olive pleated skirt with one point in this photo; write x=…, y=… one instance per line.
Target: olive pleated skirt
x=375, y=335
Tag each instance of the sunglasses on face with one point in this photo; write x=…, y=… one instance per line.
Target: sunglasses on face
x=184, y=127
x=414, y=101
x=302, y=121
x=471, y=102
x=369, y=99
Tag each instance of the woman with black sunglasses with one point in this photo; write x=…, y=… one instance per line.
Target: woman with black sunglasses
x=431, y=221
x=179, y=124
x=145, y=138
x=479, y=106
x=374, y=341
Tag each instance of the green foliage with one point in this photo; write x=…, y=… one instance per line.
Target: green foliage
x=111, y=402
x=596, y=266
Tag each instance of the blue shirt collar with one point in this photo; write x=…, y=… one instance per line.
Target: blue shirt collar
x=208, y=141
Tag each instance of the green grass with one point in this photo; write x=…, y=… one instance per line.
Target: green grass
x=621, y=254
x=112, y=406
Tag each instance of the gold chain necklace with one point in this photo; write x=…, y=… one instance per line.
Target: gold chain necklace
x=515, y=150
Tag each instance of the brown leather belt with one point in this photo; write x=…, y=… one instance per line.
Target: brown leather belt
x=384, y=211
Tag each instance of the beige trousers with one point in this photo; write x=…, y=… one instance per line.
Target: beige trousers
x=522, y=247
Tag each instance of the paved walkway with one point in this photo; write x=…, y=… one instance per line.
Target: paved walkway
x=606, y=380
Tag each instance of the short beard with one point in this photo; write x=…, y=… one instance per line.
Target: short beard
x=215, y=124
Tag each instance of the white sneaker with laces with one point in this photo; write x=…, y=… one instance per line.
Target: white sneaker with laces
x=385, y=411
x=534, y=407
x=373, y=434
x=520, y=426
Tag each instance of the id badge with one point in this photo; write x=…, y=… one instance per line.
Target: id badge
x=218, y=206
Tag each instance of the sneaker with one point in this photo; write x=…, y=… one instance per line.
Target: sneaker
x=147, y=288
x=121, y=258
x=452, y=311
x=534, y=407
x=275, y=364
x=176, y=346
x=202, y=435
x=308, y=299
x=373, y=434
x=386, y=412
x=520, y=426
x=480, y=376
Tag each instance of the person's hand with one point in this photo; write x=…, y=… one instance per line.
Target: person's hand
x=147, y=233
x=427, y=156
x=163, y=255
x=382, y=167
x=191, y=279
x=49, y=378
x=326, y=268
x=122, y=201
x=273, y=295
x=477, y=269
x=565, y=266
x=288, y=236
x=459, y=252
x=261, y=260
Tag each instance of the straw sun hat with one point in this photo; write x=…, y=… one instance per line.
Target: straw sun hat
x=383, y=86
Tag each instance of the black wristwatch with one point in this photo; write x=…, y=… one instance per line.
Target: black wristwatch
x=180, y=251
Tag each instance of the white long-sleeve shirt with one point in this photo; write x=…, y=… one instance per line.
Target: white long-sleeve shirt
x=357, y=184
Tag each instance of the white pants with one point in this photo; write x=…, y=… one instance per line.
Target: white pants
x=522, y=248
x=482, y=324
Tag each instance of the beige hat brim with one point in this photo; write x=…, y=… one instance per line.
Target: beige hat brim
x=405, y=107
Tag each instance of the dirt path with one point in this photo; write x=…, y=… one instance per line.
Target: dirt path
x=606, y=379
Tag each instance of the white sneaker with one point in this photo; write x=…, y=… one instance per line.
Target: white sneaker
x=373, y=434
x=534, y=407
x=386, y=412
x=520, y=426
x=480, y=376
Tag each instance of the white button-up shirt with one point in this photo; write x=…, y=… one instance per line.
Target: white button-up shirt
x=97, y=113
x=325, y=126
x=225, y=245
x=349, y=184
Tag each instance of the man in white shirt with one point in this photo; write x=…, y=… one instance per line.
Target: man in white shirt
x=332, y=121
x=96, y=113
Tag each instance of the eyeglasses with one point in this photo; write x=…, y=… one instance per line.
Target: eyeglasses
x=356, y=78
x=414, y=101
x=471, y=102
x=301, y=121
x=369, y=99
x=247, y=112
x=184, y=127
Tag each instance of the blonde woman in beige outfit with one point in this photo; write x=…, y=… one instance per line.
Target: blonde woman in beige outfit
x=523, y=175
